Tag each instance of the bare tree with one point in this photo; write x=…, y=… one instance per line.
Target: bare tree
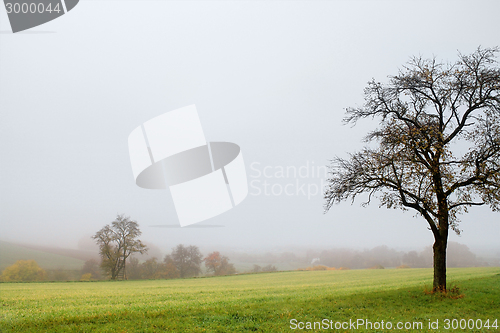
x=116, y=243
x=187, y=260
x=437, y=150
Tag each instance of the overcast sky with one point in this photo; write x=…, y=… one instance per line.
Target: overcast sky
x=273, y=77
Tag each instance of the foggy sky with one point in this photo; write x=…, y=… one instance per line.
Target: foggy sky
x=273, y=77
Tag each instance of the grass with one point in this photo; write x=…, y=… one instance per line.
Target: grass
x=254, y=302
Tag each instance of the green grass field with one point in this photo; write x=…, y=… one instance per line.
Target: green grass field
x=255, y=302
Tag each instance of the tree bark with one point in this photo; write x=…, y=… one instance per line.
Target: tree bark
x=441, y=234
x=439, y=249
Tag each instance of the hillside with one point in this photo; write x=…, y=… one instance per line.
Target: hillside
x=10, y=253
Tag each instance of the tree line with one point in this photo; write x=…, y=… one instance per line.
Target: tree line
x=459, y=255
x=184, y=262
x=189, y=260
x=119, y=240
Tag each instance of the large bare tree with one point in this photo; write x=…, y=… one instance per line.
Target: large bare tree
x=116, y=243
x=437, y=148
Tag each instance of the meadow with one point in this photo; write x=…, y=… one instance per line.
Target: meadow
x=264, y=302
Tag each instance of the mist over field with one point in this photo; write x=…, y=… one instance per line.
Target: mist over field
x=130, y=132
x=273, y=77
x=249, y=259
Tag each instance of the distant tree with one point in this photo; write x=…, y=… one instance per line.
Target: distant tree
x=23, y=271
x=256, y=269
x=169, y=270
x=459, y=255
x=218, y=265
x=91, y=266
x=187, y=260
x=269, y=268
x=133, y=270
x=152, y=269
x=116, y=243
x=414, y=260
x=437, y=150
x=381, y=255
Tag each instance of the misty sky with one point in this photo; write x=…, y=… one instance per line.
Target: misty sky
x=273, y=77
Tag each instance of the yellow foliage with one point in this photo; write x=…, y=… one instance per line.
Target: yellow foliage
x=320, y=268
x=317, y=268
x=86, y=277
x=23, y=271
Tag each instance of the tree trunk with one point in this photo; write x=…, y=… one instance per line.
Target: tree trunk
x=439, y=249
x=440, y=236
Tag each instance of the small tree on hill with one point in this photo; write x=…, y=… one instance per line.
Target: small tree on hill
x=116, y=243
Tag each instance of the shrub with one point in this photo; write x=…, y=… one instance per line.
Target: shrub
x=24, y=271
x=86, y=277
x=92, y=266
x=317, y=268
x=58, y=275
x=269, y=268
x=320, y=268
